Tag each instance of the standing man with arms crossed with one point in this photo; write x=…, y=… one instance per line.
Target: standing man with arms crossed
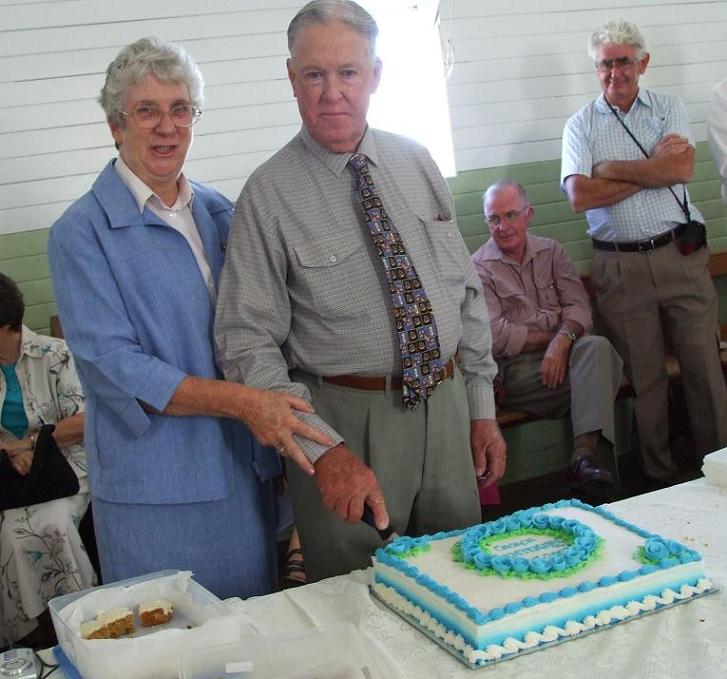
x=634, y=206
x=346, y=269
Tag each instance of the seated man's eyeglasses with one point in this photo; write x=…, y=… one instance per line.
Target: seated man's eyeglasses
x=150, y=115
x=622, y=63
x=509, y=217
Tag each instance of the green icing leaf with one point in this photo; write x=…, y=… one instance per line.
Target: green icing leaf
x=457, y=553
x=419, y=549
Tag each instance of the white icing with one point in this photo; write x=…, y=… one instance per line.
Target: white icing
x=113, y=614
x=549, y=634
x=159, y=604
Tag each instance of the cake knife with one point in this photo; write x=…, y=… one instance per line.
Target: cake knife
x=387, y=534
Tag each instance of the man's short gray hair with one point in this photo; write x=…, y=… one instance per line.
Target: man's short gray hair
x=167, y=62
x=503, y=184
x=617, y=32
x=346, y=11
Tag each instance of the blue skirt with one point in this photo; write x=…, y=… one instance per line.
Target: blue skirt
x=229, y=544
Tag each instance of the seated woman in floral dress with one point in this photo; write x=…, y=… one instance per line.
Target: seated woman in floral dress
x=41, y=553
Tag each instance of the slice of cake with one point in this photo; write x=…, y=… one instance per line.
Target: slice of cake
x=93, y=629
x=533, y=578
x=155, y=612
x=118, y=621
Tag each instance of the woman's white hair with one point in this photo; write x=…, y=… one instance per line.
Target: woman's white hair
x=167, y=62
x=617, y=32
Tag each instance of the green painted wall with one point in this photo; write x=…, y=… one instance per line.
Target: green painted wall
x=22, y=255
x=553, y=216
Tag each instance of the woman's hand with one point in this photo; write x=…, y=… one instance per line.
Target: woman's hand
x=271, y=417
x=20, y=455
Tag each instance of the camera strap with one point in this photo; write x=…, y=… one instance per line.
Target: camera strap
x=683, y=205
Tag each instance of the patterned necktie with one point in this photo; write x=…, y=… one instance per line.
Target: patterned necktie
x=422, y=364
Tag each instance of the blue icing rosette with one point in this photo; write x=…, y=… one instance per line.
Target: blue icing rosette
x=659, y=551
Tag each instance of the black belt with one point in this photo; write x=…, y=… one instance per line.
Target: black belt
x=641, y=245
x=375, y=383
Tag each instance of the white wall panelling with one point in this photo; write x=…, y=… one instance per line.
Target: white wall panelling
x=521, y=70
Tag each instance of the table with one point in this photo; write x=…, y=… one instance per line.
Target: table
x=684, y=642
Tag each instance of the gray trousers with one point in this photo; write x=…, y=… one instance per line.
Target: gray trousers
x=635, y=293
x=421, y=459
x=589, y=390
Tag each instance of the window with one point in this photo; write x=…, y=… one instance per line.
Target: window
x=412, y=97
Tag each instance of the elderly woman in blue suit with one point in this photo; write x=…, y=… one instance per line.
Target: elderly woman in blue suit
x=177, y=480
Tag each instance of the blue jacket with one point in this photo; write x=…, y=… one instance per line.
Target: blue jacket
x=137, y=315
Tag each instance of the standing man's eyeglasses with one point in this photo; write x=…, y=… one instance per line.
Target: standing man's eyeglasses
x=621, y=63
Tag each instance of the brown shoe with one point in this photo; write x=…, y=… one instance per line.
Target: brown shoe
x=588, y=481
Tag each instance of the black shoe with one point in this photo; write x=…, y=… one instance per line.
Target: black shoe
x=588, y=481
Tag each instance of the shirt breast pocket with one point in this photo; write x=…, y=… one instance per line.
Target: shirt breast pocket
x=652, y=130
x=514, y=304
x=444, y=240
x=332, y=279
x=547, y=293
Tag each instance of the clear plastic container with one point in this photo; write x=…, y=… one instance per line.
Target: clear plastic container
x=337, y=652
x=200, y=620
x=715, y=468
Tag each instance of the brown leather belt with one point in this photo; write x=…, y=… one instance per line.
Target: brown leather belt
x=375, y=382
x=641, y=245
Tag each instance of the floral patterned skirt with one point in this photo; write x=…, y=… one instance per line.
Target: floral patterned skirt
x=41, y=556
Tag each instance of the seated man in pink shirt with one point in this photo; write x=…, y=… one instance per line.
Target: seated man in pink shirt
x=541, y=316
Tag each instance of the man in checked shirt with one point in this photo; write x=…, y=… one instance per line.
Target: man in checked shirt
x=304, y=305
x=627, y=157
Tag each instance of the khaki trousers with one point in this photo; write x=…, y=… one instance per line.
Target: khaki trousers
x=421, y=459
x=588, y=392
x=635, y=292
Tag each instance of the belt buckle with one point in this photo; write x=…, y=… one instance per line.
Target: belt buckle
x=645, y=245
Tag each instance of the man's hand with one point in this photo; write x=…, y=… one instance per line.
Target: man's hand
x=346, y=483
x=488, y=451
x=671, y=162
x=671, y=144
x=554, y=366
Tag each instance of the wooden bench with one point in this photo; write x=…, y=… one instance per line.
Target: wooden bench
x=717, y=267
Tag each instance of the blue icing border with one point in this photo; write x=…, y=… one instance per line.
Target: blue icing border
x=388, y=556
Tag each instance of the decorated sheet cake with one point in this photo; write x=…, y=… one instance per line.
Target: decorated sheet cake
x=533, y=578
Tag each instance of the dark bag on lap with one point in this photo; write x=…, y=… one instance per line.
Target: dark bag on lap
x=50, y=476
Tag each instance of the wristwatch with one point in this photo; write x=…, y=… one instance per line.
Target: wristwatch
x=568, y=333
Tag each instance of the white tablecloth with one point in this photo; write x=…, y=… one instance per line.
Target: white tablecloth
x=687, y=641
